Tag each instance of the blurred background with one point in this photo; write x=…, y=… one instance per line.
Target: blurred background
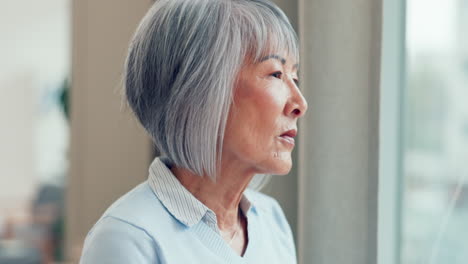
x=34, y=152
x=434, y=209
x=61, y=115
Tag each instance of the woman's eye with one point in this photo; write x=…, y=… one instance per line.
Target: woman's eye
x=276, y=75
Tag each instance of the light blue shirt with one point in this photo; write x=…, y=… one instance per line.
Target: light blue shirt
x=160, y=221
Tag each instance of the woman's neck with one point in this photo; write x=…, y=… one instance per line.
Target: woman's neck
x=222, y=196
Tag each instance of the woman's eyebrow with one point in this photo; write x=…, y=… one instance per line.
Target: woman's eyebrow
x=274, y=56
x=278, y=57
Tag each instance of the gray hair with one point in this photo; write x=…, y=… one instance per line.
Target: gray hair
x=182, y=66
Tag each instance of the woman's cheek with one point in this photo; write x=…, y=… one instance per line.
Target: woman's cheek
x=274, y=98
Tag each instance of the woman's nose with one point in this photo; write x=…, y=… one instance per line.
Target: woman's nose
x=297, y=104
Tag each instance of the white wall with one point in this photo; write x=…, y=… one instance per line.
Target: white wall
x=34, y=52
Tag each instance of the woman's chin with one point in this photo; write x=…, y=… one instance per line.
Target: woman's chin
x=284, y=171
x=281, y=167
x=279, y=164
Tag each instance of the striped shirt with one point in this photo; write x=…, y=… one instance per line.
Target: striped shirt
x=161, y=222
x=179, y=201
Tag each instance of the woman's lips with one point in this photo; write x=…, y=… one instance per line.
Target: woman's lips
x=288, y=137
x=287, y=140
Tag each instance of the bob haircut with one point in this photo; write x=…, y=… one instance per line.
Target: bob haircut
x=182, y=66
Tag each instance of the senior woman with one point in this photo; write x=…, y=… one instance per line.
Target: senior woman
x=214, y=82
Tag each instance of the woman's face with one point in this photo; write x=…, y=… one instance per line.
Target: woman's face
x=262, y=120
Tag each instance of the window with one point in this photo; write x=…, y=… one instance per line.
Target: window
x=427, y=102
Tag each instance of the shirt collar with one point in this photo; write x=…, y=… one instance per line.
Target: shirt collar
x=177, y=199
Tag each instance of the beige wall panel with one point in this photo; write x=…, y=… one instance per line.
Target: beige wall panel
x=110, y=152
x=338, y=166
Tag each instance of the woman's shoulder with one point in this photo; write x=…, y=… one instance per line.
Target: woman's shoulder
x=127, y=228
x=118, y=236
x=114, y=240
x=140, y=207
